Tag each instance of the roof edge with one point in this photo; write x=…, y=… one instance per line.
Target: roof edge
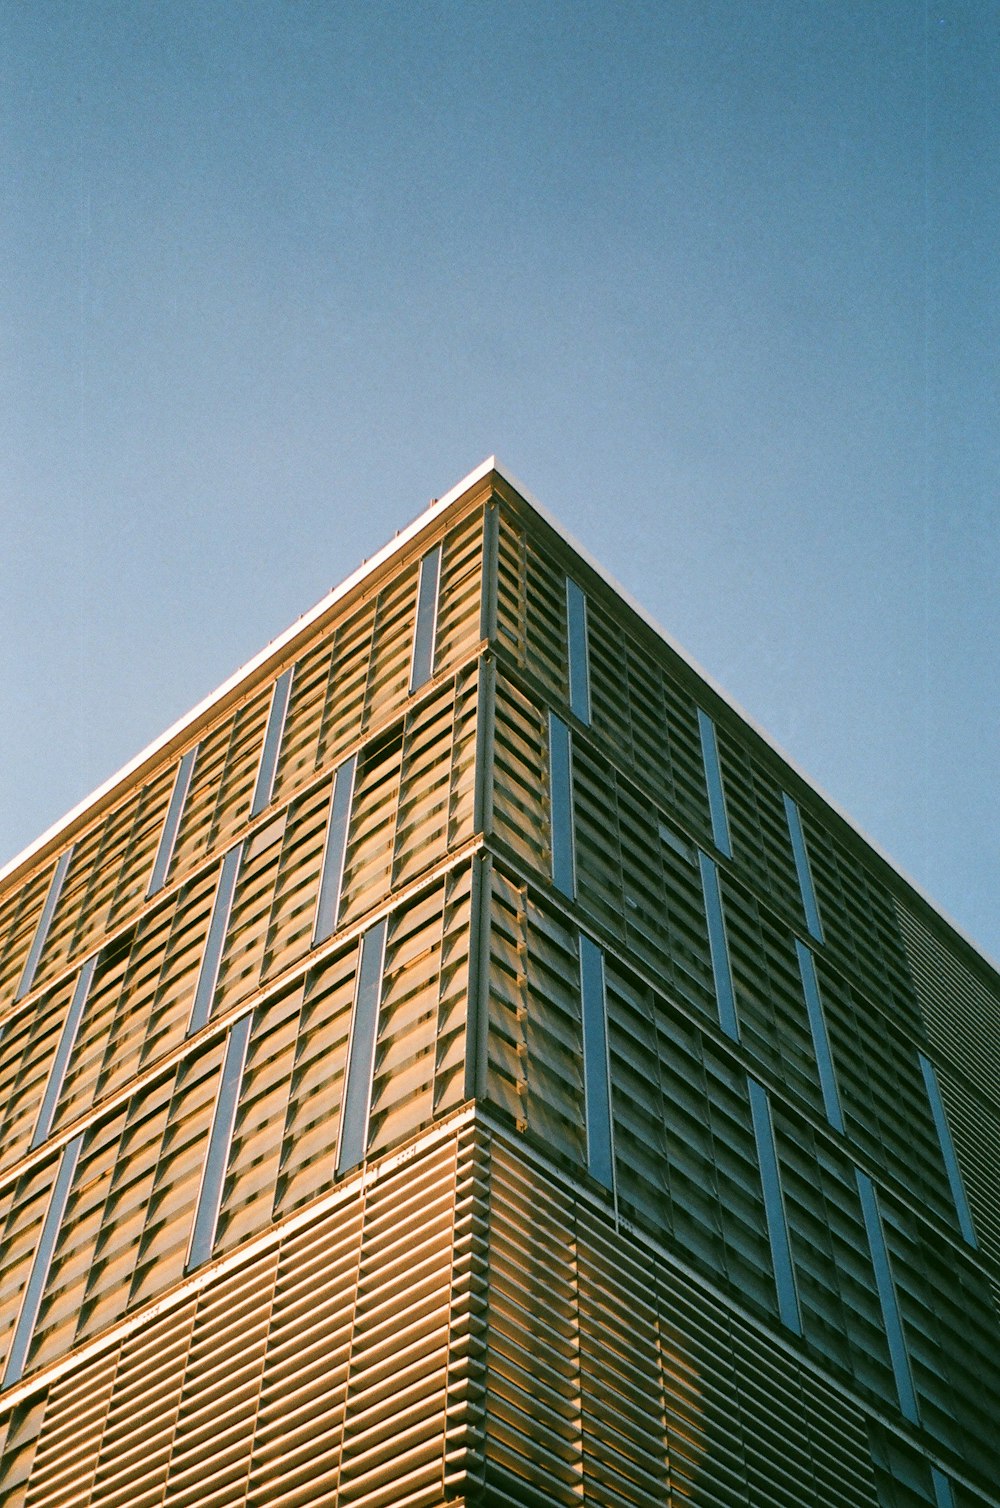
x=270, y=650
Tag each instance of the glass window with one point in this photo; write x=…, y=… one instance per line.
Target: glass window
x=719, y=948
x=35, y=1287
x=948, y=1150
x=821, y=1041
x=353, y=1139
x=44, y=923
x=264, y=789
x=208, y=974
x=332, y=881
x=60, y=1062
x=713, y=781
x=206, y=1216
x=802, y=868
x=943, y=1495
x=774, y=1208
x=887, y=1298
x=579, y=655
x=172, y=821
x=561, y=805
x=425, y=627
x=596, y=1078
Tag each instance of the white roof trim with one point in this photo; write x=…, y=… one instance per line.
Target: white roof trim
x=399, y=542
x=269, y=651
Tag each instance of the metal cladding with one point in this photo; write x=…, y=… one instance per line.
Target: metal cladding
x=464, y=1062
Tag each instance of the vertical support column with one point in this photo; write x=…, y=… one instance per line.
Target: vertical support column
x=208, y=974
x=44, y=923
x=596, y=1064
x=271, y=747
x=774, y=1208
x=713, y=783
x=220, y=1140
x=425, y=625
x=335, y=851
x=725, y=995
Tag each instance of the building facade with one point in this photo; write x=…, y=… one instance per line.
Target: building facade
x=464, y=1062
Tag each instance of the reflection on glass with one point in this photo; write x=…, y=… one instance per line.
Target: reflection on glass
x=579, y=654
x=887, y=1298
x=44, y=923
x=172, y=822
x=821, y=1042
x=774, y=1208
x=264, y=788
x=208, y=974
x=35, y=1287
x=802, y=868
x=335, y=853
x=220, y=1140
x=596, y=1080
x=719, y=948
x=60, y=1062
x=561, y=800
x=713, y=782
x=425, y=628
x=352, y=1142
x=948, y=1150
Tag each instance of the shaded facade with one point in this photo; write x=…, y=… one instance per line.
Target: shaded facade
x=464, y=1062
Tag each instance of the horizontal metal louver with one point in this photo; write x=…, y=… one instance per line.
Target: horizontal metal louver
x=961, y=1015
x=27, y=1048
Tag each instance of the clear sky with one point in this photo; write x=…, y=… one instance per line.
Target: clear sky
x=718, y=280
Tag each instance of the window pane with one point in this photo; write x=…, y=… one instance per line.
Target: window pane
x=208, y=975
x=719, y=948
x=264, y=788
x=948, y=1150
x=332, y=882
x=579, y=658
x=597, y=1087
x=774, y=1207
x=802, y=868
x=60, y=1063
x=821, y=1042
x=219, y=1141
x=44, y=923
x=425, y=628
x=40, y=1266
x=561, y=800
x=172, y=821
x=887, y=1298
x=713, y=781
x=353, y=1140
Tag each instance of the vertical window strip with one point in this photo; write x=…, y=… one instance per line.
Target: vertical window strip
x=60, y=1062
x=172, y=822
x=44, y=923
x=561, y=805
x=774, y=1208
x=596, y=1065
x=802, y=869
x=425, y=626
x=820, y=1039
x=208, y=974
x=220, y=1139
x=713, y=783
x=335, y=852
x=722, y=973
x=943, y=1495
x=35, y=1287
x=266, y=770
x=579, y=652
x=887, y=1298
x=948, y=1151
x=352, y=1140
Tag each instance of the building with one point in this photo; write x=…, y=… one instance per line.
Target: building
x=463, y=1061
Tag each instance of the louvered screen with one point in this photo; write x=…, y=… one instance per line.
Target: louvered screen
x=20, y=910
x=614, y=1380
x=961, y=1014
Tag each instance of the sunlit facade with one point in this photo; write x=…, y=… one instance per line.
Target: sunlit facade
x=463, y=1062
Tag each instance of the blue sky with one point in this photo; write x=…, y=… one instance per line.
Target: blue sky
x=718, y=281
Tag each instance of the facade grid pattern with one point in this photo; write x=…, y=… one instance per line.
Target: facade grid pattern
x=467, y=1064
